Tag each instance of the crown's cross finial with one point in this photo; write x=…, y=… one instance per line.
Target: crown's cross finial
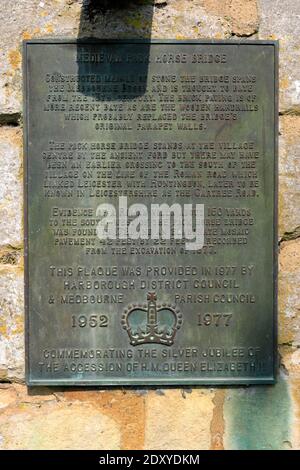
x=152, y=313
x=151, y=296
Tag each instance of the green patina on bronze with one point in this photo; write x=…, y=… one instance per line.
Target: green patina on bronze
x=166, y=121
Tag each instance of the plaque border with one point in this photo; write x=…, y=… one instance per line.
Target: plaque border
x=149, y=382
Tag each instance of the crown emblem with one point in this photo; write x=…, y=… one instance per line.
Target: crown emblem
x=151, y=323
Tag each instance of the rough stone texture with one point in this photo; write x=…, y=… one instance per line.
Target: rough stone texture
x=289, y=175
x=217, y=424
x=172, y=411
x=126, y=408
x=8, y=396
x=241, y=15
x=11, y=323
x=290, y=358
x=179, y=19
x=279, y=19
x=57, y=419
x=289, y=293
x=47, y=418
x=85, y=419
x=23, y=20
x=10, y=187
x=49, y=424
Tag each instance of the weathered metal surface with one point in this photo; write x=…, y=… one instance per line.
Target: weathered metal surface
x=160, y=122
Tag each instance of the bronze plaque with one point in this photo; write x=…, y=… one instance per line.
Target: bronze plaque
x=172, y=128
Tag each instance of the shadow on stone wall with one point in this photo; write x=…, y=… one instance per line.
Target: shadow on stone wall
x=104, y=19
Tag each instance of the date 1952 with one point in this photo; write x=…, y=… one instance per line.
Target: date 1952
x=89, y=321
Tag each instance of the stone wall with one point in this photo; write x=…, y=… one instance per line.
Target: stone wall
x=262, y=417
